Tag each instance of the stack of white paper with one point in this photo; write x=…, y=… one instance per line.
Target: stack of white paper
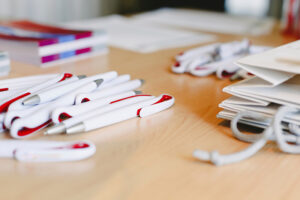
x=277, y=83
x=4, y=63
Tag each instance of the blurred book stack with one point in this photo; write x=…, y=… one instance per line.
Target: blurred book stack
x=44, y=45
x=4, y=63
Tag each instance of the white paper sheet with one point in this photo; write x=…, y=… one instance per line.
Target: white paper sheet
x=139, y=36
x=209, y=21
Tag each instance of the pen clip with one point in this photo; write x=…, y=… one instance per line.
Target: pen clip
x=66, y=75
x=163, y=103
x=19, y=131
x=70, y=151
x=5, y=105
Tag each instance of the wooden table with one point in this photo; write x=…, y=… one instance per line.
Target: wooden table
x=150, y=158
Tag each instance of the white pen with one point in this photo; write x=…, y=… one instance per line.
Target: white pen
x=140, y=109
x=6, y=94
x=61, y=113
x=20, y=85
x=60, y=128
x=118, y=80
x=6, y=102
x=18, y=104
x=190, y=54
x=56, y=92
x=23, y=127
x=46, y=151
x=123, y=87
x=35, y=78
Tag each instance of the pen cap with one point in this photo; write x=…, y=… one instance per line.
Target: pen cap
x=164, y=103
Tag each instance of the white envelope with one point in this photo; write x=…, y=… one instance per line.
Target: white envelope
x=258, y=90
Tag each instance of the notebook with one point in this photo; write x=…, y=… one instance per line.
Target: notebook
x=42, y=45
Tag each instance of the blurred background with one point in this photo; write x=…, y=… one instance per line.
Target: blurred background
x=52, y=11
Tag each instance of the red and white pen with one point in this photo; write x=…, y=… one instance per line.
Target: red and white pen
x=5, y=103
x=60, y=128
x=61, y=113
x=56, y=92
x=140, y=109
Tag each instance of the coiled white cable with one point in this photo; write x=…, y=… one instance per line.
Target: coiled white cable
x=272, y=133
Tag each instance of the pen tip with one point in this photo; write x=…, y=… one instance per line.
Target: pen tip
x=57, y=129
x=138, y=92
x=142, y=81
x=98, y=82
x=81, y=76
x=33, y=100
x=78, y=128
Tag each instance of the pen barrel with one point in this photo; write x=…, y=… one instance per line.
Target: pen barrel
x=60, y=90
x=76, y=110
x=21, y=80
x=120, y=79
x=124, y=87
x=105, y=109
x=118, y=115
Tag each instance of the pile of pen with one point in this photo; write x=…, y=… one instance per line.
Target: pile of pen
x=74, y=104
x=216, y=58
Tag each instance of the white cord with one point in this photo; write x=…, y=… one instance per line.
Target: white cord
x=273, y=132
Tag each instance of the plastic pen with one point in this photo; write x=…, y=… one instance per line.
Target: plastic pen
x=18, y=104
x=19, y=85
x=5, y=103
x=56, y=92
x=123, y=87
x=61, y=113
x=140, y=109
x=118, y=80
x=46, y=151
x=60, y=128
x=23, y=127
x=9, y=93
x=36, y=78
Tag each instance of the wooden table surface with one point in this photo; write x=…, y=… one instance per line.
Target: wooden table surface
x=150, y=158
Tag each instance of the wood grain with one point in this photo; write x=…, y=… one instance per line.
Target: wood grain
x=150, y=158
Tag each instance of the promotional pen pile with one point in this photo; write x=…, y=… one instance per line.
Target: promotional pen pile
x=74, y=104
x=269, y=101
x=216, y=58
